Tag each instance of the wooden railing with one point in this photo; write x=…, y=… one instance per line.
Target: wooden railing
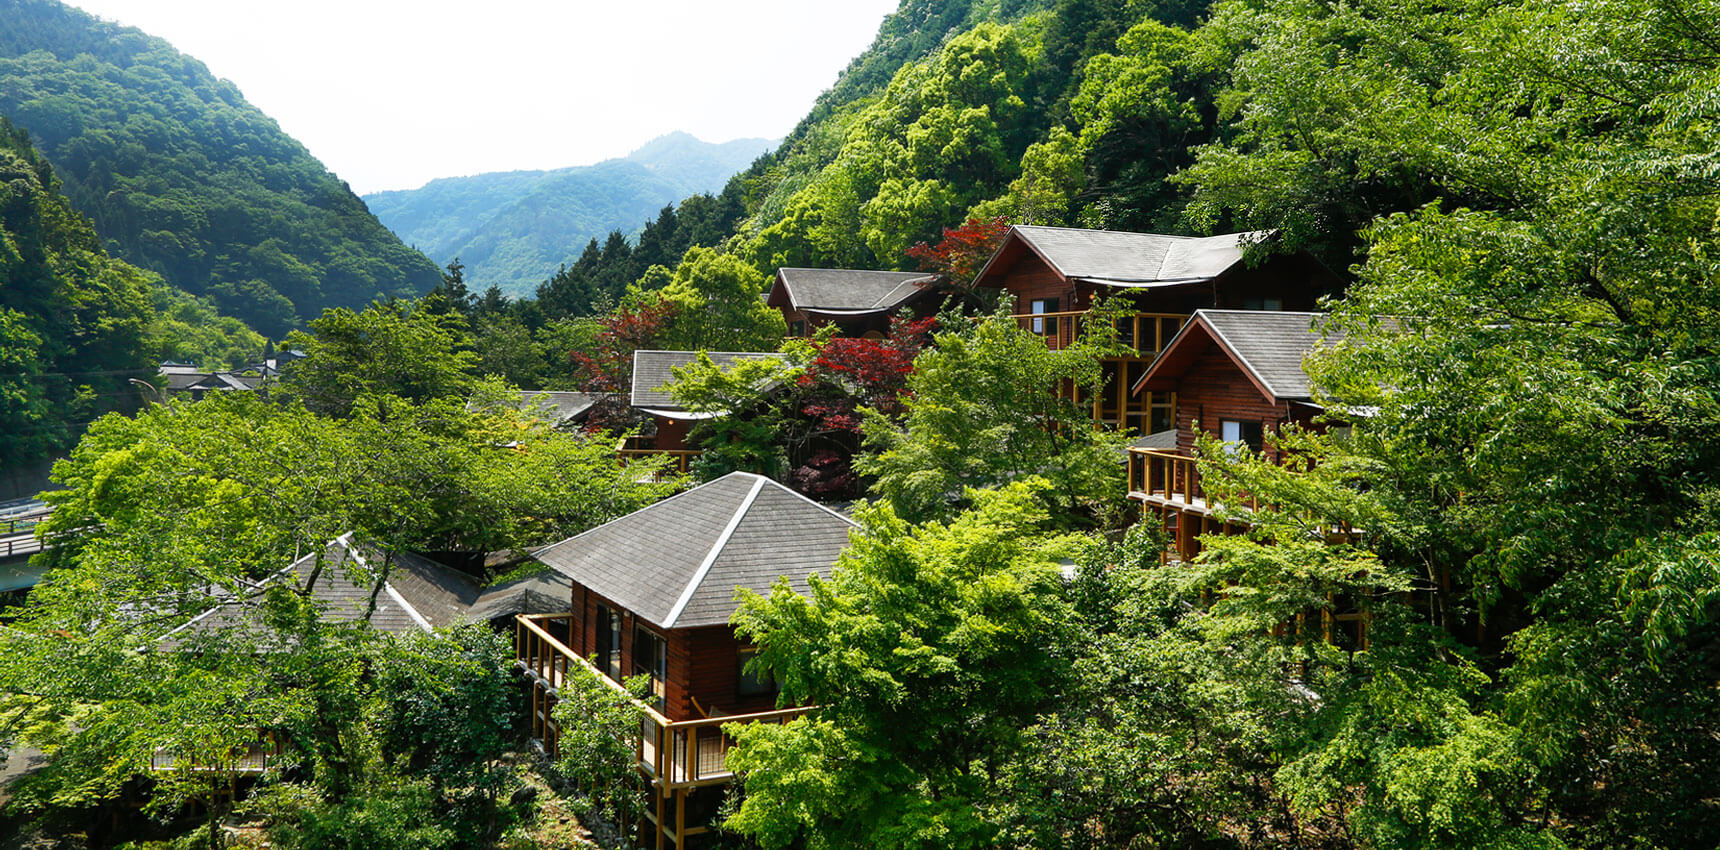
x=252, y=758
x=1145, y=333
x=1166, y=475
x=674, y=754
x=680, y=459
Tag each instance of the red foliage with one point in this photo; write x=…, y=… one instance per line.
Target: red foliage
x=609, y=366
x=963, y=250
x=857, y=372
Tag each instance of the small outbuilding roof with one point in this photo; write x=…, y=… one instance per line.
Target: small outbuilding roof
x=558, y=408
x=678, y=562
x=652, y=370
x=1121, y=259
x=844, y=292
x=1268, y=346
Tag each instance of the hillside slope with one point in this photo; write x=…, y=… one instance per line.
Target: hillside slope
x=514, y=229
x=183, y=177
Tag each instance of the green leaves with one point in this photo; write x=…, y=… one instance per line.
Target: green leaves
x=927, y=649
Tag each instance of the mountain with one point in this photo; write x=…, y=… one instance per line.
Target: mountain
x=183, y=177
x=514, y=229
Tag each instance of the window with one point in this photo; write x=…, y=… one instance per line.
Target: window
x=651, y=658
x=609, y=641
x=1041, y=306
x=797, y=328
x=750, y=684
x=1241, y=433
x=1259, y=303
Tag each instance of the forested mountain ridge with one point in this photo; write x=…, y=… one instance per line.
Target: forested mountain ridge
x=185, y=178
x=76, y=325
x=513, y=230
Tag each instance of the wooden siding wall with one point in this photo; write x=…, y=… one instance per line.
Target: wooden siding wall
x=1215, y=389
x=704, y=663
x=671, y=434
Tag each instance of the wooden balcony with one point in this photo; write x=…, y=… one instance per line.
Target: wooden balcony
x=680, y=462
x=1145, y=333
x=674, y=755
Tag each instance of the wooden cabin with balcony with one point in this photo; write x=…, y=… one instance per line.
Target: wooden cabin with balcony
x=671, y=421
x=860, y=303
x=1237, y=376
x=1055, y=273
x=652, y=594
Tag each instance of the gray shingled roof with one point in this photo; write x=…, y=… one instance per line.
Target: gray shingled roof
x=547, y=592
x=558, y=407
x=653, y=369
x=678, y=562
x=852, y=291
x=1117, y=258
x=1269, y=344
x=419, y=593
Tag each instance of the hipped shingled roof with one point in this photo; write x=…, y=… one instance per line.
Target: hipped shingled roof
x=851, y=292
x=677, y=563
x=1122, y=259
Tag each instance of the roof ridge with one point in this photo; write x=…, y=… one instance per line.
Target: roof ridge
x=411, y=610
x=687, y=492
x=722, y=542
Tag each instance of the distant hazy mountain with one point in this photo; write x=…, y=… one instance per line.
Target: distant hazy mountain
x=182, y=176
x=514, y=229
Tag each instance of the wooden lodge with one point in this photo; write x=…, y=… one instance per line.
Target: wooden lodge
x=1237, y=376
x=652, y=594
x=1055, y=273
x=860, y=303
x=670, y=421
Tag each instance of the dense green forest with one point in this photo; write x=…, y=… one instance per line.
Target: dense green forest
x=183, y=177
x=77, y=326
x=513, y=230
x=1522, y=509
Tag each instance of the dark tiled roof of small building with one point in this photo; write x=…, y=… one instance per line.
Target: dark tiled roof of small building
x=547, y=592
x=848, y=291
x=678, y=562
x=1166, y=439
x=653, y=369
x=1119, y=258
x=558, y=408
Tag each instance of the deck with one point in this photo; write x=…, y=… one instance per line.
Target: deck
x=675, y=756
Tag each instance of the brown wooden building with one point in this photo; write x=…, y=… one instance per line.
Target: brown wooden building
x=1055, y=273
x=652, y=594
x=670, y=421
x=1237, y=376
x=860, y=303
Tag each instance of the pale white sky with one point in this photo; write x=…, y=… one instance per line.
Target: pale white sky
x=390, y=94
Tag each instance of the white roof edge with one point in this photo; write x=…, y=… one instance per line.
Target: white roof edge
x=346, y=540
x=716, y=550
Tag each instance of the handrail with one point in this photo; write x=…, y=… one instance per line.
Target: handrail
x=683, y=457
x=1146, y=333
x=673, y=753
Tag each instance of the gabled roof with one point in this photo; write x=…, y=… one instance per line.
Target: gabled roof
x=677, y=563
x=844, y=292
x=1268, y=346
x=1121, y=259
x=653, y=369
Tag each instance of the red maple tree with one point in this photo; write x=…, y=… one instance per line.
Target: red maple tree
x=963, y=250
